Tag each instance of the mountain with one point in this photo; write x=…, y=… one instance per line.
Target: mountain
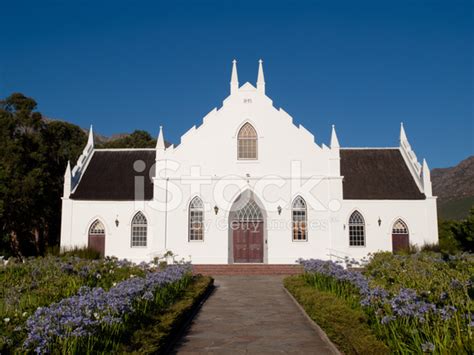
x=455, y=189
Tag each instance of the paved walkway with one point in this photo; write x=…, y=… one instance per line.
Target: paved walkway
x=251, y=314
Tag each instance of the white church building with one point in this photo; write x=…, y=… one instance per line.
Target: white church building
x=248, y=186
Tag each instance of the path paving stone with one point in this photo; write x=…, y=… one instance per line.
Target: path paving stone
x=251, y=315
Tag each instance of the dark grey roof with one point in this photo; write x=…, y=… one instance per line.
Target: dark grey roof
x=377, y=174
x=369, y=174
x=110, y=175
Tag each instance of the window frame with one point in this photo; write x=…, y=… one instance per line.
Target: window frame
x=304, y=211
x=241, y=139
x=351, y=225
x=134, y=242
x=93, y=225
x=400, y=220
x=194, y=209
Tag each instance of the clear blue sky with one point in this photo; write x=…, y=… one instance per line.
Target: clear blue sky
x=362, y=65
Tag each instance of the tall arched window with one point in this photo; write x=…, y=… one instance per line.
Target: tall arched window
x=247, y=142
x=356, y=230
x=196, y=219
x=139, y=230
x=300, y=218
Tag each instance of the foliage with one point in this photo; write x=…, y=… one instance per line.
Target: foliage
x=137, y=139
x=156, y=331
x=33, y=158
x=345, y=326
x=457, y=235
x=40, y=281
x=95, y=320
x=415, y=303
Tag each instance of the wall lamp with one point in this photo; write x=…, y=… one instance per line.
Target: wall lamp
x=216, y=209
x=379, y=221
x=279, y=210
x=117, y=222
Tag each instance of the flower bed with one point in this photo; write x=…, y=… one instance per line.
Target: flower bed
x=41, y=281
x=95, y=319
x=424, y=316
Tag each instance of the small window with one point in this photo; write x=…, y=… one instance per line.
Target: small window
x=299, y=219
x=356, y=230
x=399, y=227
x=196, y=219
x=247, y=142
x=97, y=228
x=139, y=230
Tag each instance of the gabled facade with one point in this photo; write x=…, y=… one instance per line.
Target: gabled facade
x=248, y=185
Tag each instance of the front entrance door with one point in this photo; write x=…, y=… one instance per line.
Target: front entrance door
x=248, y=242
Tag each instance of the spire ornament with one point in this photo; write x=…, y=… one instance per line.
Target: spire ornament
x=260, y=78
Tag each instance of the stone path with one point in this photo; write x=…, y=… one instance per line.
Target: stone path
x=251, y=314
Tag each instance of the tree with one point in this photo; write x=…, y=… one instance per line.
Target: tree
x=33, y=157
x=138, y=139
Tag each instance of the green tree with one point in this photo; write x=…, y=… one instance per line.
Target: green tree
x=33, y=157
x=138, y=139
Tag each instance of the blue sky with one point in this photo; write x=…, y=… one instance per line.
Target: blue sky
x=362, y=65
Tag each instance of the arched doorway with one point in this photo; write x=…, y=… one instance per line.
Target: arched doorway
x=247, y=230
x=400, y=237
x=96, y=239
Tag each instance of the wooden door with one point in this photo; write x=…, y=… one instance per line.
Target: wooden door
x=248, y=242
x=97, y=242
x=400, y=242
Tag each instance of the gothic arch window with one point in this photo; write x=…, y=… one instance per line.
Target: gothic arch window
x=247, y=142
x=196, y=219
x=299, y=219
x=139, y=230
x=249, y=213
x=356, y=230
x=97, y=228
x=399, y=227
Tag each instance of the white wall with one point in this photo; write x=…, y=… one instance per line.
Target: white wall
x=206, y=160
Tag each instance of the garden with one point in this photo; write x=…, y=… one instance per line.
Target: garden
x=68, y=304
x=413, y=303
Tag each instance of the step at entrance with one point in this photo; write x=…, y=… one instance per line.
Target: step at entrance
x=247, y=269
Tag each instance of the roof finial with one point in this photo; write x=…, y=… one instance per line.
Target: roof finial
x=334, y=141
x=426, y=176
x=234, y=79
x=67, y=181
x=160, y=142
x=90, y=140
x=260, y=78
x=403, y=136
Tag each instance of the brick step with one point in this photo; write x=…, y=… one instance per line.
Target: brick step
x=244, y=269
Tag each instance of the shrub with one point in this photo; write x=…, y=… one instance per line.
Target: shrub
x=415, y=302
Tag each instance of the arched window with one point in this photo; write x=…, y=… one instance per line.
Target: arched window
x=139, y=230
x=247, y=142
x=399, y=227
x=356, y=230
x=97, y=228
x=249, y=213
x=300, y=218
x=196, y=219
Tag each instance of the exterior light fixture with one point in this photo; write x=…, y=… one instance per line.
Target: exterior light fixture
x=216, y=209
x=379, y=221
x=279, y=209
x=116, y=222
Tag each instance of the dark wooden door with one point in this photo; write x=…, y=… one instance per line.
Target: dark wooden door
x=400, y=242
x=248, y=242
x=97, y=242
